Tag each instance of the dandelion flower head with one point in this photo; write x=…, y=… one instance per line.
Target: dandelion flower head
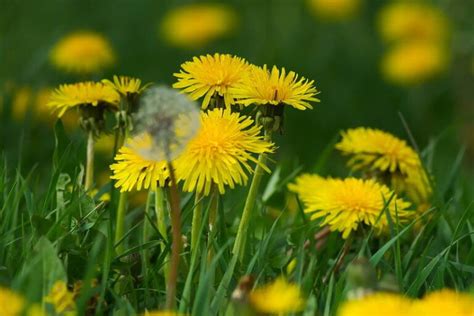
x=11, y=304
x=211, y=76
x=263, y=86
x=61, y=298
x=82, y=52
x=386, y=304
x=278, y=297
x=221, y=152
x=346, y=204
x=445, y=302
x=334, y=9
x=126, y=86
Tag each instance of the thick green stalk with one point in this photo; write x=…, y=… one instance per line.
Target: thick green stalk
x=89, y=161
x=196, y=223
x=239, y=244
x=161, y=224
x=212, y=223
x=120, y=221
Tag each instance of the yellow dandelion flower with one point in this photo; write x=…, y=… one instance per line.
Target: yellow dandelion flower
x=42, y=111
x=163, y=313
x=211, y=75
x=82, y=52
x=445, y=302
x=134, y=172
x=220, y=152
x=334, y=9
x=376, y=150
x=126, y=86
x=386, y=304
x=61, y=298
x=262, y=86
x=68, y=96
x=196, y=25
x=21, y=102
x=279, y=297
x=414, y=62
x=346, y=204
x=412, y=20
x=11, y=304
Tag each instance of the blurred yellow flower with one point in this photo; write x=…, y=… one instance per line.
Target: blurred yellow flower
x=163, y=313
x=375, y=150
x=11, y=304
x=279, y=297
x=68, y=96
x=126, y=86
x=134, y=172
x=21, y=103
x=195, y=25
x=82, y=52
x=412, y=20
x=61, y=298
x=334, y=9
x=220, y=153
x=414, y=62
x=386, y=304
x=36, y=310
x=262, y=86
x=105, y=144
x=444, y=302
x=42, y=111
x=345, y=204
x=211, y=75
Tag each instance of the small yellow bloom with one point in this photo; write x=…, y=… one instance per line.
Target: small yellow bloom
x=11, y=304
x=126, y=86
x=414, y=62
x=262, y=86
x=412, y=20
x=68, y=96
x=279, y=297
x=334, y=9
x=385, y=304
x=220, y=152
x=376, y=150
x=444, y=302
x=163, y=313
x=196, y=25
x=346, y=204
x=134, y=172
x=82, y=53
x=21, y=102
x=211, y=75
x=61, y=298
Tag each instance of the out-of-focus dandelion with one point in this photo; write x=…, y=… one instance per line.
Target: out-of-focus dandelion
x=21, y=102
x=279, y=297
x=196, y=25
x=346, y=204
x=82, y=52
x=412, y=20
x=334, y=10
x=162, y=313
x=387, y=158
x=11, y=304
x=211, y=77
x=444, y=302
x=388, y=304
x=61, y=298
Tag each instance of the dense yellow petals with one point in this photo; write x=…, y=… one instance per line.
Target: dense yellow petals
x=210, y=75
x=68, y=96
x=346, y=204
x=196, y=25
x=386, y=304
x=126, y=85
x=221, y=152
x=11, y=304
x=61, y=298
x=444, y=302
x=263, y=86
x=82, y=52
x=279, y=297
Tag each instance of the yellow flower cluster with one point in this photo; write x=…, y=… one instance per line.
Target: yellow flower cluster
x=61, y=298
x=440, y=303
x=11, y=304
x=334, y=10
x=417, y=34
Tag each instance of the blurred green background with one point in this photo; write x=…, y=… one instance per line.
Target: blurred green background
x=342, y=56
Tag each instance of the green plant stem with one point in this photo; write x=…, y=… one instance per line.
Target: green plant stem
x=176, y=241
x=90, y=161
x=120, y=221
x=212, y=222
x=161, y=224
x=239, y=244
x=146, y=237
x=196, y=223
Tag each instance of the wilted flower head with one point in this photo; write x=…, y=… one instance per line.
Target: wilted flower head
x=11, y=304
x=211, y=76
x=386, y=304
x=279, y=297
x=195, y=25
x=82, y=52
x=346, y=204
x=334, y=9
x=169, y=119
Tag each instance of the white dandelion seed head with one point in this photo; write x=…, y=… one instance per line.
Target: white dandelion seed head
x=165, y=122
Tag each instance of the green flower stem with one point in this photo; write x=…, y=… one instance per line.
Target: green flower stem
x=161, y=224
x=176, y=241
x=120, y=221
x=90, y=161
x=196, y=223
x=146, y=237
x=212, y=222
x=239, y=244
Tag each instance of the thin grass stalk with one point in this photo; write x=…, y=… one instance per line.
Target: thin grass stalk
x=89, y=161
x=196, y=223
x=120, y=221
x=161, y=224
x=212, y=222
